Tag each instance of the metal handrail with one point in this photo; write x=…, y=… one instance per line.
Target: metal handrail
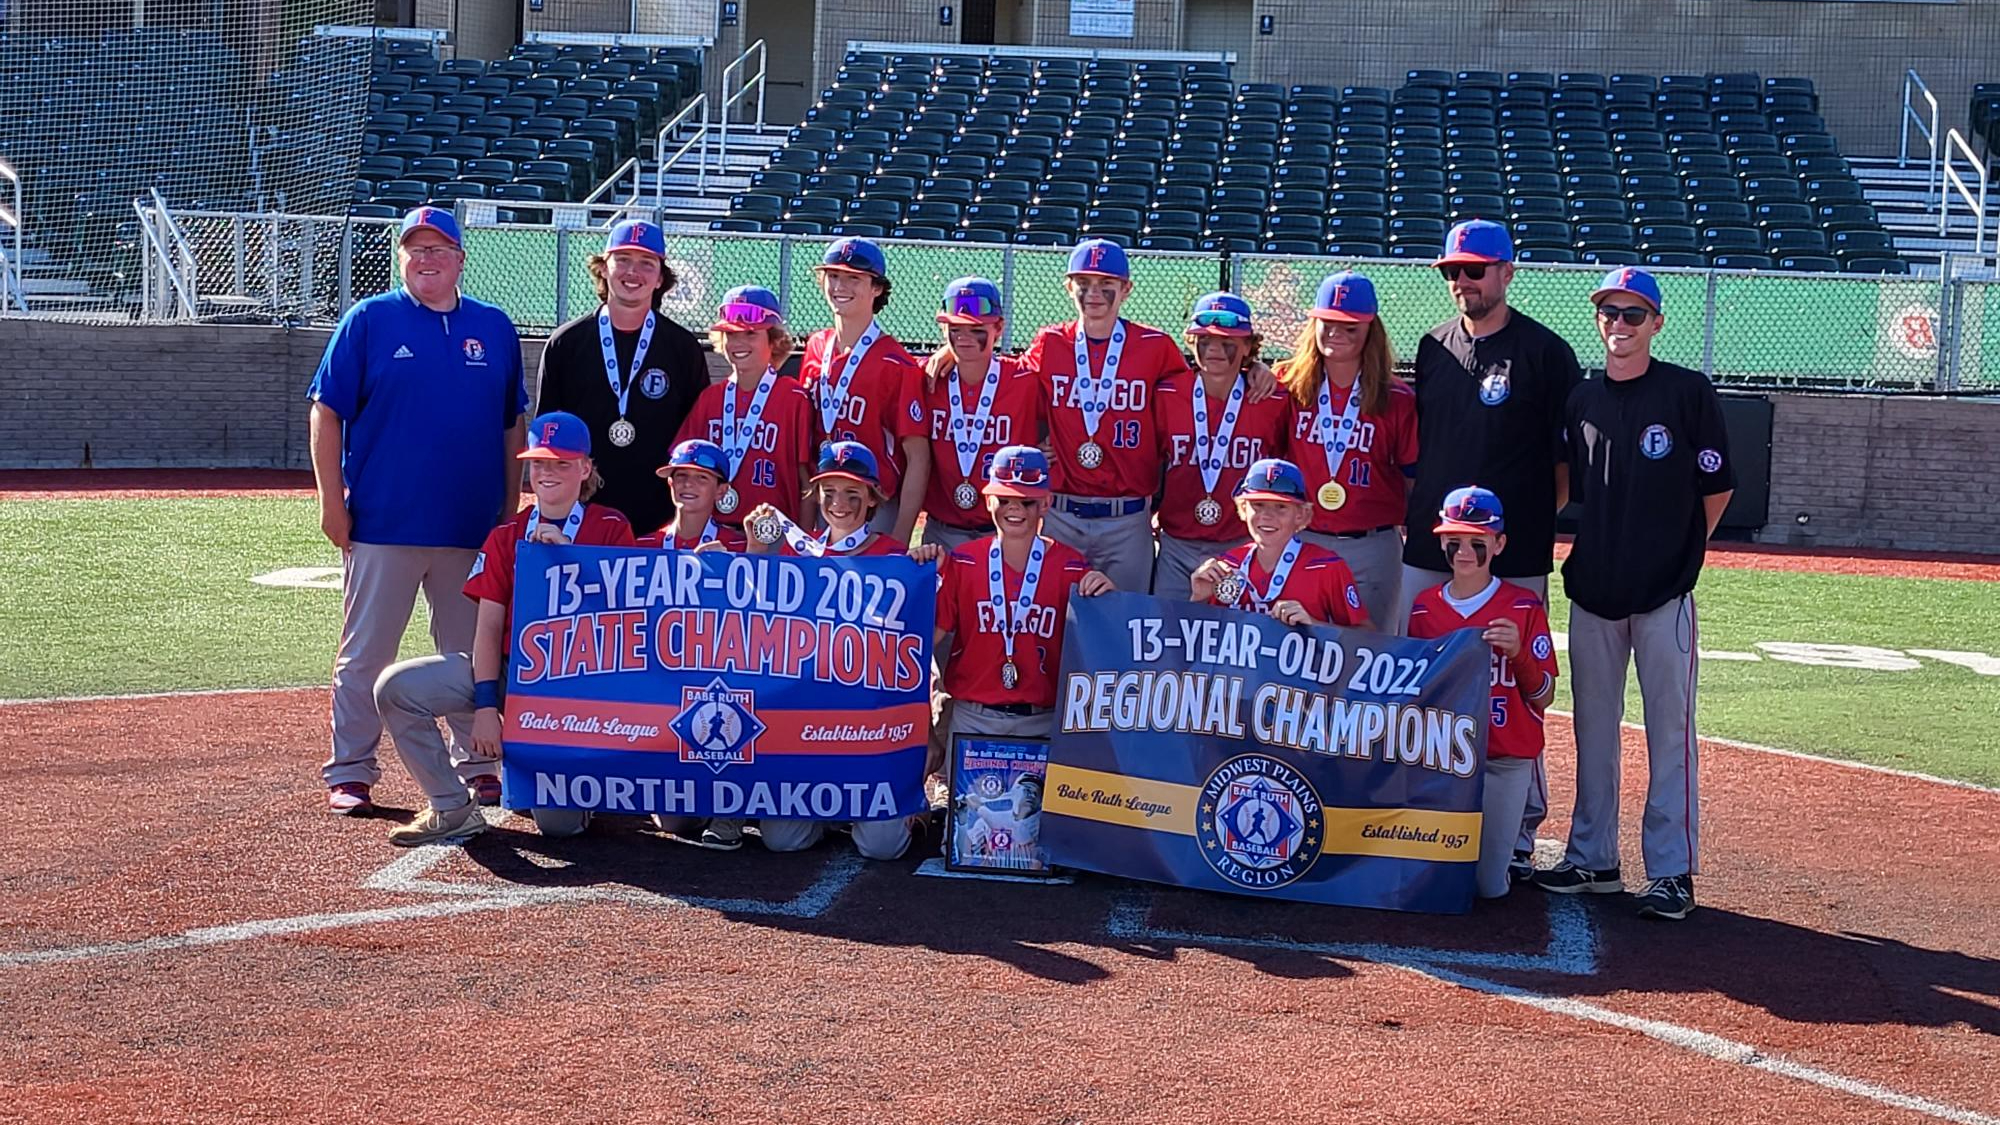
x=1952, y=180
x=180, y=240
x=1911, y=82
x=729, y=100
x=664, y=161
x=611, y=181
x=160, y=254
x=16, y=263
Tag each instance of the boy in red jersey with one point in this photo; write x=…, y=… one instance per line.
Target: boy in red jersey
x=1277, y=572
x=415, y=694
x=864, y=385
x=977, y=402
x=1512, y=619
x=1210, y=433
x=763, y=421
x=695, y=471
x=1002, y=601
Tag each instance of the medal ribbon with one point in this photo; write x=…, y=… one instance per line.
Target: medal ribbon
x=569, y=528
x=816, y=545
x=1211, y=452
x=833, y=394
x=967, y=430
x=708, y=534
x=1260, y=600
x=622, y=391
x=736, y=435
x=1334, y=437
x=1093, y=392
x=1012, y=620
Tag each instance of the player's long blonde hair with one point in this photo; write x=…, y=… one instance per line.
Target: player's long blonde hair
x=1306, y=370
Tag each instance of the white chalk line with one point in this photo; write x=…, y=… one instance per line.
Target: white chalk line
x=190, y=693
x=1801, y=755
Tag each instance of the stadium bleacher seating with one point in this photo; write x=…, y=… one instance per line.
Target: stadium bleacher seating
x=546, y=124
x=1726, y=170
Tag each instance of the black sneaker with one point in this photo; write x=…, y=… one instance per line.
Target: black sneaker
x=1566, y=878
x=1672, y=897
x=1522, y=869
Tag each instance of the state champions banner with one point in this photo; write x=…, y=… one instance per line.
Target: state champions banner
x=718, y=684
x=1217, y=749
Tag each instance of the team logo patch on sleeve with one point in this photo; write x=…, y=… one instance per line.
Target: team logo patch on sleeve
x=1543, y=646
x=1656, y=442
x=916, y=411
x=478, y=566
x=1353, y=596
x=1710, y=460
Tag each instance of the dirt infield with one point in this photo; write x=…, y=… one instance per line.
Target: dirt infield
x=196, y=940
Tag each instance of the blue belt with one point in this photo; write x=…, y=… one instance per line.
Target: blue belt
x=1363, y=534
x=1099, y=509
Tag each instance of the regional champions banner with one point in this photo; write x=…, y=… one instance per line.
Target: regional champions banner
x=1217, y=749
x=717, y=684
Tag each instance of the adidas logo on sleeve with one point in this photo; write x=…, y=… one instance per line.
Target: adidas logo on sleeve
x=403, y=352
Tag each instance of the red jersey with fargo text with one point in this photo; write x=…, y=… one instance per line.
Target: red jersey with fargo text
x=1260, y=433
x=1515, y=727
x=1020, y=407
x=1371, y=470
x=1319, y=581
x=1127, y=432
x=879, y=411
x=965, y=610
x=785, y=440
x=492, y=577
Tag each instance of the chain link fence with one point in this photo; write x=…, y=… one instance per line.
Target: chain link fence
x=1834, y=332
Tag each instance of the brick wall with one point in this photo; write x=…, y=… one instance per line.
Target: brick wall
x=1914, y=473
x=1867, y=471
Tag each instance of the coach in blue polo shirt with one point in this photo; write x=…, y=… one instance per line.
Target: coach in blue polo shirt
x=416, y=417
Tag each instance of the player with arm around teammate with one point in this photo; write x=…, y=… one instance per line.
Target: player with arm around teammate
x=413, y=695
x=695, y=472
x=1472, y=531
x=848, y=486
x=1210, y=433
x=976, y=401
x=1003, y=600
x=763, y=421
x=1278, y=573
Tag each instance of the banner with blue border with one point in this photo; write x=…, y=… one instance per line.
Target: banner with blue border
x=716, y=684
x=1217, y=749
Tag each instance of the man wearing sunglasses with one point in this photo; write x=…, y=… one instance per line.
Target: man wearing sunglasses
x=1650, y=459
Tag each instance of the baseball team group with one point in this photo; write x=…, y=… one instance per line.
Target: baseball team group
x=1319, y=488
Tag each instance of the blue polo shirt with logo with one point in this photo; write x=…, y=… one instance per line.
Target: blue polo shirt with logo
x=427, y=399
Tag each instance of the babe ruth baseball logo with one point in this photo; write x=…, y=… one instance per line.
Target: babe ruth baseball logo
x=718, y=725
x=1260, y=824
x=1710, y=460
x=1656, y=442
x=475, y=352
x=478, y=566
x=1543, y=647
x=653, y=384
x=1353, y=597
x=1498, y=384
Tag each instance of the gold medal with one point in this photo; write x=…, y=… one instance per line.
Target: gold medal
x=1332, y=496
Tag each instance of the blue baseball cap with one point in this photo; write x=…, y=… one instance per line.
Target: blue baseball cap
x=1477, y=242
x=697, y=454
x=971, y=300
x=747, y=308
x=1099, y=256
x=1471, y=511
x=1626, y=279
x=1020, y=471
x=556, y=436
x=855, y=255
x=850, y=460
x=430, y=218
x=1220, y=314
x=637, y=234
x=1345, y=296
x=1272, y=478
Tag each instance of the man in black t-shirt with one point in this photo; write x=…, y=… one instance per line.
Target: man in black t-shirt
x=1649, y=463
x=629, y=372
x=1491, y=384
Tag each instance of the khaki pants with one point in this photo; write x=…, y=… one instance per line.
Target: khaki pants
x=380, y=589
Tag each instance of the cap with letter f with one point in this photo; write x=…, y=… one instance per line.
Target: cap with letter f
x=855, y=255
x=1019, y=471
x=971, y=301
x=1100, y=257
x=1626, y=279
x=695, y=453
x=430, y=218
x=1476, y=242
x=1220, y=314
x=747, y=308
x=1470, y=511
x=848, y=460
x=1273, y=478
x=637, y=234
x=556, y=436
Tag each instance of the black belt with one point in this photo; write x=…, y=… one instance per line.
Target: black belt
x=1361, y=534
x=1023, y=710
x=1099, y=509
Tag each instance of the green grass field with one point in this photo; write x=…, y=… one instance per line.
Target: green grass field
x=102, y=597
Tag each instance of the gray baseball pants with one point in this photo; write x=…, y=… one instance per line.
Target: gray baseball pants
x=1120, y=546
x=1663, y=643
x=1377, y=562
x=1173, y=570
x=1509, y=781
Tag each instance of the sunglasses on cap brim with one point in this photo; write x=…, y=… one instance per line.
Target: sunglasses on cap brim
x=1471, y=515
x=971, y=305
x=743, y=312
x=1221, y=318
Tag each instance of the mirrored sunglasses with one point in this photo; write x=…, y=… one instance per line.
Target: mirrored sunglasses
x=971, y=304
x=1021, y=474
x=1220, y=318
x=743, y=312
x=1473, y=514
